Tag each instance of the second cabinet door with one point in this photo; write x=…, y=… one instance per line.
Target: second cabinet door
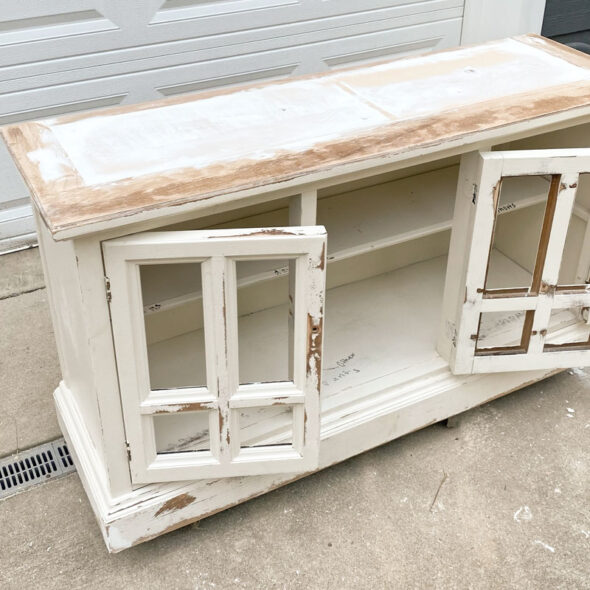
x=516, y=293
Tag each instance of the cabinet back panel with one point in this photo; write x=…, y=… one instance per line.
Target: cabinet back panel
x=265, y=294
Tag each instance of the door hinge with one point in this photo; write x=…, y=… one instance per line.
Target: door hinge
x=474, y=194
x=128, y=451
x=107, y=286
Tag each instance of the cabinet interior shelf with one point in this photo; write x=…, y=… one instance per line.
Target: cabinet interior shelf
x=358, y=222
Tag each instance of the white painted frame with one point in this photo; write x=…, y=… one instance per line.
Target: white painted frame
x=217, y=251
x=471, y=243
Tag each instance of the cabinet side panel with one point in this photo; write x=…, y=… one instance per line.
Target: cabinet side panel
x=100, y=345
x=63, y=289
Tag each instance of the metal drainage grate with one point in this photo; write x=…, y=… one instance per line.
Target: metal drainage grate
x=34, y=466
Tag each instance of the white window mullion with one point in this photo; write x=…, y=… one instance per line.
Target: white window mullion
x=214, y=310
x=564, y=204
x=566, y=196
x=230, y=442
x=540, y=323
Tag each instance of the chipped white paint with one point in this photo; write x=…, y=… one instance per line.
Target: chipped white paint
x=296, y=116
x=523, y=514
x=130, y=518
x=166, y=405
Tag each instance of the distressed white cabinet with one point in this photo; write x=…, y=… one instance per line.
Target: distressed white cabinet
x=249, y=286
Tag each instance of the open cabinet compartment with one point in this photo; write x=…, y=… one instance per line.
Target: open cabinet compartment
x=389, y=275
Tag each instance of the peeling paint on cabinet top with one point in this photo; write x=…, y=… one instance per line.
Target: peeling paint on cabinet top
x=121, y=162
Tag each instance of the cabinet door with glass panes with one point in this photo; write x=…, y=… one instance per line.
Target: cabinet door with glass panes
x=235, y=390
x=517, y=293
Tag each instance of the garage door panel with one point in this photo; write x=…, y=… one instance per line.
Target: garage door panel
x=437, y=37
x=84, y=32
x=183, y=10
x=41, y=107
x=240, y=77
x=229, y=45
x=44, y=29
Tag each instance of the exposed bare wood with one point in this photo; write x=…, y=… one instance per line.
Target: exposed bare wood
x=177, y=503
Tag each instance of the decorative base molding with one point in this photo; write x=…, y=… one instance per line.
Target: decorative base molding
x=152, y=510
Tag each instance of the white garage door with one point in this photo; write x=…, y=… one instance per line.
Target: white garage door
x=61, y=56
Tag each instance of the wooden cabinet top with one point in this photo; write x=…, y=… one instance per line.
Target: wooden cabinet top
x=111, y=167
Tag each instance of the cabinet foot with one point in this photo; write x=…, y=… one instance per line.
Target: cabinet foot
x=453, y=421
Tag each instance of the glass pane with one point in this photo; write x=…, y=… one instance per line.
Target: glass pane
x=568, y=326
x=263, y=320
x=182, y=432
x=575, y=237
x=162, y=282
x=502, y=329
x=173, y=315
x=266, y=425
x=517, y=233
